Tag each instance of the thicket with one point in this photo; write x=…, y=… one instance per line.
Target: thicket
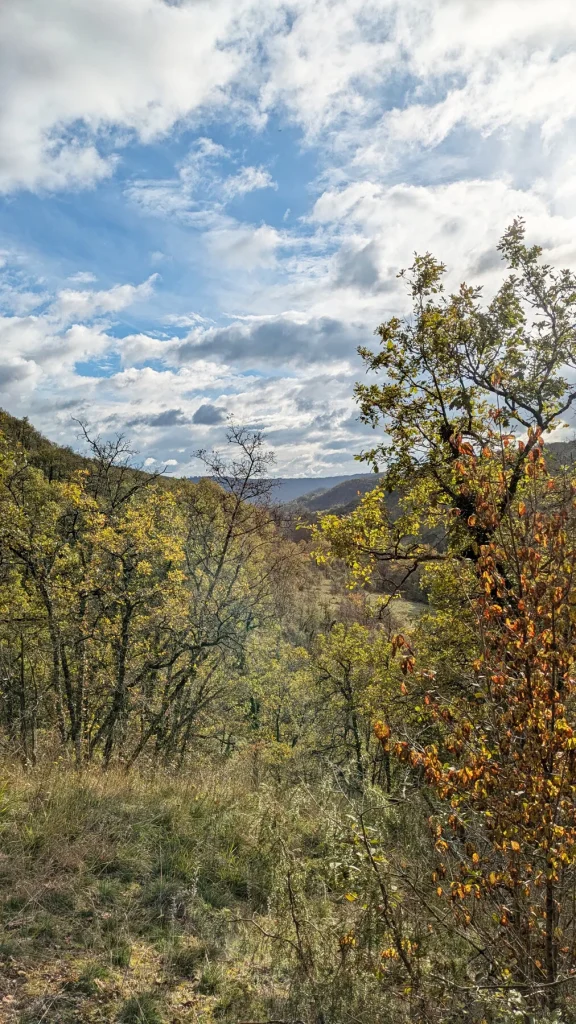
x=248, y=794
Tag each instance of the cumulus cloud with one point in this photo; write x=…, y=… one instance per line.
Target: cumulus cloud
x=162, y=406
x=208, y=415
x=460, y=222
x=431, y=124
x=167, y=418
x=49, y=345
x=358, y=267
x=274, y=341
x=85, y=304
x=243, y=246
x=121, y=64
x=15, y=370
x=127, y=68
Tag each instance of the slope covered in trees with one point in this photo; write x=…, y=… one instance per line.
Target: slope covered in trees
x=237, y=789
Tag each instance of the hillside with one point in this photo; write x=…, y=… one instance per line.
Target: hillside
x=288, y=489
x=56, y=461
x=562, y=453
x=343, y=496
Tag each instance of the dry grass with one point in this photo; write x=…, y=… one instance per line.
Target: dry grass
x=116, y=894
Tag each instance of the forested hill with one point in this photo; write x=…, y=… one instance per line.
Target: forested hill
x=287, y=489
x=346, y=493
x=57, y=462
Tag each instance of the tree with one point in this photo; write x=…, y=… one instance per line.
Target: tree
x=234, y=563
x=461, y=377
x=502, y=763
x=125, y=602
x=354, y=672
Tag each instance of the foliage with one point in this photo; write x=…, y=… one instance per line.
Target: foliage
x=503, y=766
x=489, y=670
x=461, y=378
x=125, y=603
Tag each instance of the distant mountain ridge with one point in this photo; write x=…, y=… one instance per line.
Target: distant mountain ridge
x=287, y=489
x=343, y=496
x=291, y=488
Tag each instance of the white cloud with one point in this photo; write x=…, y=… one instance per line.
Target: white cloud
x=535, y=90
x=185, y=319
x=434, y=123
x=243, y=246
x=460, y=222
x=200, y=191
x=165, y=408
x=247, y=180
x=82, y=277
x=16, y=372
x=46, y=347
x=323, y=67
x=137, y=65
x=78, y=79
x=85, y=304
x=179, y=195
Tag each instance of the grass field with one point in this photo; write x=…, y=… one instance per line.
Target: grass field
x=119, y=898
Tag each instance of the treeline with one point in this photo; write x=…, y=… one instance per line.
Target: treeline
x=125, y=603
x=143, y=618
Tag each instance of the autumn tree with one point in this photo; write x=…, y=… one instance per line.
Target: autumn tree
x=354, y=673
x=234, y=564
x=459, y=376
x=502, y=761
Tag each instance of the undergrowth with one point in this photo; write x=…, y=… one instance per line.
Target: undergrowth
x=218, y=899
x=133, y=899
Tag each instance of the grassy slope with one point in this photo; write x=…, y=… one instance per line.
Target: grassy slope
x=165, y=901
x=168, y=901
x=117, y=896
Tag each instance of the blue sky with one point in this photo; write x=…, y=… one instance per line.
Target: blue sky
x=204, y=204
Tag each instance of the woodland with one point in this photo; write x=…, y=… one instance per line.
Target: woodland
x=300, y=765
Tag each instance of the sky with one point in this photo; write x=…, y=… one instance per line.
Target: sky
x=205, y=204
